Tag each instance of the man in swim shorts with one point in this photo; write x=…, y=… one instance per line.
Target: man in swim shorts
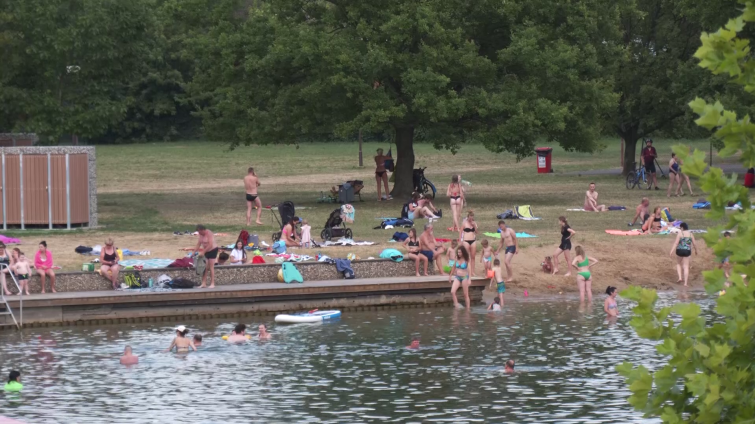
x=207, y=245
x=642, y=212
x=238, y=335
x=591, y=201
x=510, y=245
x=431, y=248
x=251, y=182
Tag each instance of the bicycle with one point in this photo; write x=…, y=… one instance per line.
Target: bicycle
x=637, y=178
x=422, y=184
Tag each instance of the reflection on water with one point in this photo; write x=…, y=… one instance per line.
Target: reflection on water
x=355, y=370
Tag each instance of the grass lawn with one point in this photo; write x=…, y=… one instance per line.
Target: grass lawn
x=147, y=191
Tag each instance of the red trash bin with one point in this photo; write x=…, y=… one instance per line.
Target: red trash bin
x=544, y=160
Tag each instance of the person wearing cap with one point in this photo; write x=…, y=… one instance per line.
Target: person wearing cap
x=181, y=342
x=648, y=158
x=128, y=357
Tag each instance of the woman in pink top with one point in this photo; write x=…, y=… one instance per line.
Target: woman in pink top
x=43, y=264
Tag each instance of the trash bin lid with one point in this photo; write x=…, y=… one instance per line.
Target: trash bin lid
x=544, y=149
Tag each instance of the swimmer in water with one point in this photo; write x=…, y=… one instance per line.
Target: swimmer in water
x=181, y=343
x=495, y=306
x=414, y=344
x=197, y=340
x=264, y=335
x=610, y=306
x=128, y=357
x=238, y=335
x=509, y=368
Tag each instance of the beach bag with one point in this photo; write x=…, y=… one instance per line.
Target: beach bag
x=507, y=214
x=253, y=241
x=524, y=211
x=133, y=280
x=392, y=254
x=279, y=247
x=344, y=266
x=666, y=215
x=181, y=283
x=163, y=279
x=83, y=249
x=389, y=165
x=258, y=260
x=244, y=237
x=290, y=273
x=200, y=264
x=399, y=236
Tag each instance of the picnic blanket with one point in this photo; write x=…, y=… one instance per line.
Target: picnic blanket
x=518, y=235
x=9, y=240
x=146, y=263
x=347, y=242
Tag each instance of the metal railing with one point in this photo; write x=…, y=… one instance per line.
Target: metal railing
x=20, y=322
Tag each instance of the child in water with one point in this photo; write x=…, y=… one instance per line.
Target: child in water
x=486, y=256
x=498, y=279
x=306, y=234
x=22, y=269
x=495, y=306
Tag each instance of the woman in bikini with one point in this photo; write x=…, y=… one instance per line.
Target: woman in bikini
x=7, y=262
x=584, y=278
x=468, y=236
x=412, y=246
x=381, y=175
x=455, y=192
x=609, y=305
x=109, y=262
x=673, y=176
x=288, y=233
x=565, y=247
x=653, y=224
x=181, y=342
x=459, y=276
x=683, y=245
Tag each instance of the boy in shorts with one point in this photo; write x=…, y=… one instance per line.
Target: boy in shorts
x=498, y=279
x=22, y=269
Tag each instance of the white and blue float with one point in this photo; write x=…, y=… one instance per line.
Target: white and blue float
x=311, y=316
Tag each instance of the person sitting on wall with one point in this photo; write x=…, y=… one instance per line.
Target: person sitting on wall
x=109, y=259
x=43, y=263
x=223, y=258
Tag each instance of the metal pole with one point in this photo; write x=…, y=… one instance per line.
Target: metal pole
x=49, y=191
x=5, y=216
x=68, y=193
x=21, y=179
x=361, y=164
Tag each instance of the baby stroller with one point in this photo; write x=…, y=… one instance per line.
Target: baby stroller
x=287, y=212
x=335, y=226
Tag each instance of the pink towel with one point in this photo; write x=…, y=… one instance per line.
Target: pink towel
x=43, y=265
x=9, y=240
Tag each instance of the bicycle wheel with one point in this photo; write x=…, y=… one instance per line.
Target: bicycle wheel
x=428, y=189
x=631, y=180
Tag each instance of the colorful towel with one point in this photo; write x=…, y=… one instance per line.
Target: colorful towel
x=576, y=210
x=9, y=240
x=518, y=235
x=625, y=233
x=146, y=263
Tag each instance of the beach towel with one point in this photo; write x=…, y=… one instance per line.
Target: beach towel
x=666, y=215
x=617, y=208
x=149, y=263
x=701, y=205
x=344, y=266
x=290, y=273
x=9, y=240
x=524, y=213
x=576, y=210
x=518, y=235
x=347, y=242
x=625, y=232
x=392, y=254
x=186, y=262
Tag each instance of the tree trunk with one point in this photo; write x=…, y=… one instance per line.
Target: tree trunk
x=403, y=185
x=630, y=152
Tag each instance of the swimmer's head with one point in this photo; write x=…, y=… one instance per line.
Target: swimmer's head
x=127, y=350
x=510, y=365
x=14, y=376
x=497, y=301
x=262, y=328
x=240, y=329
x=496, y=262
x=198, y=338
x=182, y=330
x=610, y=290
x=415, y=343
x=485, y=243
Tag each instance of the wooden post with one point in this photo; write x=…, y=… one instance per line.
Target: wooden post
x=361, y=164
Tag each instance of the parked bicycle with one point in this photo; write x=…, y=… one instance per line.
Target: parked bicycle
x=422, y=184
x=637, y=178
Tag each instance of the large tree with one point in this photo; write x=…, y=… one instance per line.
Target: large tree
x=504, y=73
x=69, y=65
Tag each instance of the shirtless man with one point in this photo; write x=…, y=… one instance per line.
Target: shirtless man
x=431, y=248
x=642, y=212
x=251, y=182
x=263, y=334
x=510, y=245
x=238, y=335
x=128, y=357
x=206, y=244
x=591, y=200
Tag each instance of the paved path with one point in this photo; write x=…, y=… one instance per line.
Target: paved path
x=727, y=168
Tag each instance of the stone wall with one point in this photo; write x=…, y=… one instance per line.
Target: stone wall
x=92, y=171
x=227, y=274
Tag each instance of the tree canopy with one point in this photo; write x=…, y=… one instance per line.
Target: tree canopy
x=504, y=73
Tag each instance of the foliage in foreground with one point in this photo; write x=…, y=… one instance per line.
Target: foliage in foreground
x=709, y=376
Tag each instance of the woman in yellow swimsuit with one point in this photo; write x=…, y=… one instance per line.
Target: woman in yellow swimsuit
x=584, y=278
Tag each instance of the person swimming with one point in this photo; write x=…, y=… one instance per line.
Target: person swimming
x=238, y=335
x=181, y=342
x=263, y=334
x=509, y=367
x=610, y=306
x=128, y=357
x=14, y=382
x=197, y=340
x=495, y=306
x=414, y=344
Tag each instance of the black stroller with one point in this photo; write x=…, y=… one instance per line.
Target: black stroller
x=287, y=212
x=335, y=227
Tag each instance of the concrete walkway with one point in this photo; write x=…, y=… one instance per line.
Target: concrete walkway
x=726, y=167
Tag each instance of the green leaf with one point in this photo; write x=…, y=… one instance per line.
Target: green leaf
x=702, y=349
x=687, y=310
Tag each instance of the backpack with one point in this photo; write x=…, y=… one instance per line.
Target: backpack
x=133, y=280
x=507, y=214
x=254, y=241
x=181, y=283
x=399, y=236
x=405, y=211
x=244, y=237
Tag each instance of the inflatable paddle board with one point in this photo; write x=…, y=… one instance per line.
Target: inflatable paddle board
x=311, y=316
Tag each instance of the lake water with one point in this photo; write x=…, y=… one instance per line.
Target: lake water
x=354, y=370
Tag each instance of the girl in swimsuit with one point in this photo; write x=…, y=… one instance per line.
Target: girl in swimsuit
x=381, y=175
x=456, y=194
x=653, y=224
x=412, y=246
x=683, y=245
x=181, y=342
x=451, y=253
x=610, y=306
x=565, y=247
x=109, y=262
x=673, y=176
x=459, y=276
x=584, y=278
x=7, y=262
x=467, y=237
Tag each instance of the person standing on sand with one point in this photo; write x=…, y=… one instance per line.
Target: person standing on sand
x=510, y=245
x=381, y=175
x=591, y=201
x=565, y=247
x=128, y=357
x=683, y=176
x=683, y=245
x=673, y=176
x=584, y=278
x=642, y=212
x=609, y=305
x=251, y=182
x=206, y=244
x=456, y=193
